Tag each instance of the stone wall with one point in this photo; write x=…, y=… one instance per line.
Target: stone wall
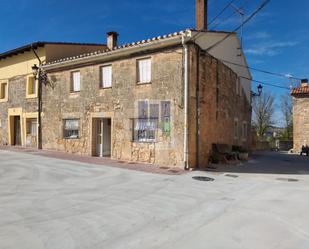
x=300, y=122
x=217, y=105
x=120, y=104
x=16, y=99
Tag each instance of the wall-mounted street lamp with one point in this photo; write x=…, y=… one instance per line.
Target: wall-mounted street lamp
x=258, y=94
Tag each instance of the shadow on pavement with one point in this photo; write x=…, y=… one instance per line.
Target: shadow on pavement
x=268, y=163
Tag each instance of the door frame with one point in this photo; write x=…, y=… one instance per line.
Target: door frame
x=92, y=134
x=12, y=112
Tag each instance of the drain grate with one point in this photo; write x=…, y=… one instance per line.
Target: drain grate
x=230, y=175
x=203, y=178
x=288, y=179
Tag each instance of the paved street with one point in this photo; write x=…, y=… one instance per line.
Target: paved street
x=56, y=204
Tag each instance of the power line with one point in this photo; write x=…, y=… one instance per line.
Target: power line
x=265, y=83
x=221, y=12
x=264, y=3
x=261, y=70
x=233, y=13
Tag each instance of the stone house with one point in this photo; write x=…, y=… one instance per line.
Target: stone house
x=300, y=116
x=18, y=88
x=163, y=100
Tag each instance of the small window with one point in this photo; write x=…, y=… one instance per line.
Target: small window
x=244, y=130
x=71, y=128
x=75, y=82
x=106, y=76
x=166, y=117
x=3, y=90
x=144, y=129
x=236, y=128
x=31, y=86
x=31, y=126
x=144, y=71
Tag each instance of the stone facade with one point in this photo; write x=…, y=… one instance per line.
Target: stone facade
x=300, y=122
x=218, y=104
x=120, y=104
x=211, y=91
x=20, y=106
x=214, y=105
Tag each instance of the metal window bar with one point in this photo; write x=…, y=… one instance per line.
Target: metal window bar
x=144, y=129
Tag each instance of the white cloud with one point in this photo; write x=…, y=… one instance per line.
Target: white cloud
x=270, y=48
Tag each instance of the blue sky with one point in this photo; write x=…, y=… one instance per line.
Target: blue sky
x=276, y=40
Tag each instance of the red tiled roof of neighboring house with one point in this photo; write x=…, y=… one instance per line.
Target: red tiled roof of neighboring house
x=133, y=44
x=303, y=90
x=39, y=44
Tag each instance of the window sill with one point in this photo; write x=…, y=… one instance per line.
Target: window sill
x=71, y=138
x=105, y=88
x=143, y=83
x=3, y=100
x=31, y=96
x=144, y=142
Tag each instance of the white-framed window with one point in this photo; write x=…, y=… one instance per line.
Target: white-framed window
x=144, y=71
x=31, y=86
x=75, y=81
x=244, y=130
x=71, y=128
x=236, y=135
x=106, y=76
x=32, y=126
x=3, y=91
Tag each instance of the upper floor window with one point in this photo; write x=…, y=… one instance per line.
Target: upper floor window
x=31, y=88
x=75, y=81
x=144, y=71
x=3, y=91
x=106, y=76
x=244, y=130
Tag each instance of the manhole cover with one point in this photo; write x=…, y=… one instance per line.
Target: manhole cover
x=230, y=175
x=287, y=179
x=203, y=178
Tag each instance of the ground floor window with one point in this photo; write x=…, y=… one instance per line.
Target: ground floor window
x=71, y=128
x=31, y=127
x=144, y=129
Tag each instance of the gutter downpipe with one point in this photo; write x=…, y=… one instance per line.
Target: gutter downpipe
x=186, y=84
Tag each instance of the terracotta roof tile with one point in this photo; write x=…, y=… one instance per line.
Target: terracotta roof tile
x=300, y=90
x=133, y=44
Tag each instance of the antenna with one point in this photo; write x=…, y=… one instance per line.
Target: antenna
x=241, y=12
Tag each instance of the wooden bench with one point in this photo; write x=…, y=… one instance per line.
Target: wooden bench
x=224, y=152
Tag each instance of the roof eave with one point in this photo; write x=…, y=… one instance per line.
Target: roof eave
x=112, y=54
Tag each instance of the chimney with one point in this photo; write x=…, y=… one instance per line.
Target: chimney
x=201, y=14
x=304, y=83
x=112, y=39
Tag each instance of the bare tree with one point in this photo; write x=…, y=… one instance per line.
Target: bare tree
x=263, y=111
x=287, y=112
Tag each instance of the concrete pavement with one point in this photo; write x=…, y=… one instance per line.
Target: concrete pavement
x=51, y=203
